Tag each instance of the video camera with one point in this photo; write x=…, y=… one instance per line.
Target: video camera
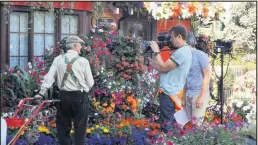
x=163, y=40
x=221, y=46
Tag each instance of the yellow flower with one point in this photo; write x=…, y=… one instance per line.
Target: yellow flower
x=88, y=130
x=72, y=131
x=105, y=130
x=47, y=131
x=97, y=126
x=41, y=129
x=22, y=132
x=92, y=128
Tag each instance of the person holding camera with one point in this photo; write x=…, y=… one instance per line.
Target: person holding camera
x=173, y=75
x=196, y=92
x=74, y=79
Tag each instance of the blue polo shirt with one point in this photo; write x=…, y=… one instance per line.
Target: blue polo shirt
x=173, y=82
x=195, y=76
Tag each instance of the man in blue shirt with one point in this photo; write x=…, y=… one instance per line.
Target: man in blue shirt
x=173, y=75
x=196, y=92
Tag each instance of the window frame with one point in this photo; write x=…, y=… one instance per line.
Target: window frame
x=83, y=18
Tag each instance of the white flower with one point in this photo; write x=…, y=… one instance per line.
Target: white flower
x=104, y=80
x=100, y=30
x=93, y=30
x=245, y=108
x=109, y=87
x=96, y=114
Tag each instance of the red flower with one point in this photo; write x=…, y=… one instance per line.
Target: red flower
x=57, y=48
x=43, y=73
x=34, y=73
x=170, y=143
x=182, y=133
x=38, y=81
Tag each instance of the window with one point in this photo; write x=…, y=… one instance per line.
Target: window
x=69, y=25
x=44, y=29
x=18, y=39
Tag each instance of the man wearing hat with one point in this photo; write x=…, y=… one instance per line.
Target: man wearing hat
x=74, y=79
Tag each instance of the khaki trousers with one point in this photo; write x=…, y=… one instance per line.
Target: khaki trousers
x=193, y=111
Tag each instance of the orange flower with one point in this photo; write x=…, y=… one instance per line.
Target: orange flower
x=205, y=12
x=105, y=104
x=153, y=132
x=191, y=8
x=112, y=105
x=129, y=99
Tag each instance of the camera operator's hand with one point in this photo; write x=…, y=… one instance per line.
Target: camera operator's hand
x=154, y=46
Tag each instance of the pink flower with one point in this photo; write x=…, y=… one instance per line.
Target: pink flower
x=94, y=45
x=109, y=41
x=114, y=33
x=150, y=68
x=11, y=70
x=170, y=143
x=41, y=63
x=123, y=58
x=36, y=59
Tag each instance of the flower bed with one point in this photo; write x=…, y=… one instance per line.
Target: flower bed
x=122, y=109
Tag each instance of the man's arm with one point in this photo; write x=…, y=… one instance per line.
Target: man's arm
x=184, y=95
x=88, y=75
x=49, y=78
x=165, y=66
x=206, y=80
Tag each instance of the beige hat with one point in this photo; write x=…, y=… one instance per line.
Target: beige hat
x=73, y=39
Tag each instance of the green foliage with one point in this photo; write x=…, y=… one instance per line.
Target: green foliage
x=17, y=83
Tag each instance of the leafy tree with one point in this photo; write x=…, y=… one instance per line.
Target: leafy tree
x=241, y=26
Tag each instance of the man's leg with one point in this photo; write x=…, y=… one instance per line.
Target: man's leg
x=80, y=116
x=167, y=111
x=199, y=113
x=63, y=119
x=188, y=107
